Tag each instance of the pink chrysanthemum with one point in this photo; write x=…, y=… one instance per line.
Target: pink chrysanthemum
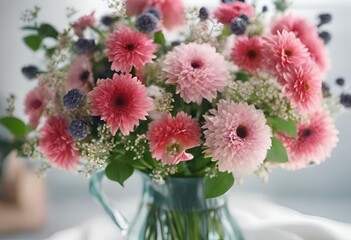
x=80, y=74
x=170, y=136
x=170, y=21
x=197, y=70
x=303, y=87
x=283, y=51
x=57, y=144
x=247, y=53
x=315, y=140
x=35, y=103
x=225, y=13
x=237, y=137
x=82, y=23
x=126, y=48
x=121, y=102
x=308, y=35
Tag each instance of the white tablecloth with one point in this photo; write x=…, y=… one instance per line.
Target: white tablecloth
x=258, y=219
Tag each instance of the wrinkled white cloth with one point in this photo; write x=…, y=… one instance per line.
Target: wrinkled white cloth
x=258, y=220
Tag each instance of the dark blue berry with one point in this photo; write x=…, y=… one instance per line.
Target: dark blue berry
x=30, y=71
x=203, y=14
x=227, y=1
x=340, y=82
x=245, y=17
x=146, y=23
x=107, y=20
x=264, y=9
x=238, y=26
x=326, y=36
x=154, y=12
x=345, y=100
x=324, y=18
x=84, y=46
x=72, y=99
x=78, y=129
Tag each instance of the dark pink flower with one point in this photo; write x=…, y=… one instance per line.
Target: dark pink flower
x=225, y=13
x=315, y=140
x=57, y=144
x=122, y=102
x=35, y=103
x=303, y=87
x=126, y=48
x=170, y=137
x=82, y=23
x=247, y=53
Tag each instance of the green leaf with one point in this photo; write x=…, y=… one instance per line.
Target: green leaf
x=226, y=31
x=277, y=153
x=218, y=185
x=288, y=127
x=16, y=126
x=47, y=30
x=33, y=41
x=119, y=171
x=160, y=39
x=243, y=76
x=30, y=28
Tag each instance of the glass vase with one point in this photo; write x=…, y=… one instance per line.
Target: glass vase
x=175, y=209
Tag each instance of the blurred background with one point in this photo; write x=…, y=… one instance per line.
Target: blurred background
x=324, y=190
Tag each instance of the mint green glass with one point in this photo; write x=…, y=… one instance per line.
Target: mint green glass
x=174, y=210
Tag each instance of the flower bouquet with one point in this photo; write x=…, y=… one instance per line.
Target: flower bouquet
x=231, y=92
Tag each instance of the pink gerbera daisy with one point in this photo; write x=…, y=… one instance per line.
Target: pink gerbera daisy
x=165, y=7
x=80, y=74
x=126, y=48
x=170, y=136
x=247, y=53
x=225, y=13
x=35, y=103
x=237, y=137
x=283, y=51
x=308, y=35
x=82, y=23
x=121, y=102
x=57, y=144
x=315, y=140
x=197, y=70
x=303, y=87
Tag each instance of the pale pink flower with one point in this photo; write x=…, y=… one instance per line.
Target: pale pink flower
x=35, y=104
x=283, y=51
x=165, y=7
x=56, y=144
x=127, y=48
x=237, y=137
x=82, y=23
x=197, y=70
x=170, y=137
x=303, y=87
x=122, y=102
x=319, y=54
x=308, y=34
x=80, y=74
x=247, y=53
x=225, y=13
x=315, y=140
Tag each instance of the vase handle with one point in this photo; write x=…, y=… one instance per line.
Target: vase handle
x=95, y=187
